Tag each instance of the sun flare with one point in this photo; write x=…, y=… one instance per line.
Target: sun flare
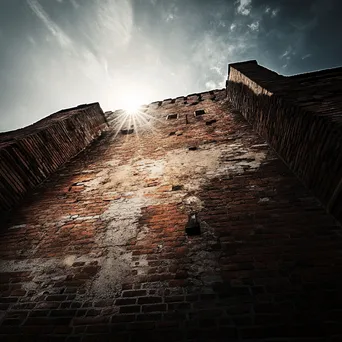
x=132, y=104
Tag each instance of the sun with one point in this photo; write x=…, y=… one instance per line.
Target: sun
x=132, y=104
x=133, y=116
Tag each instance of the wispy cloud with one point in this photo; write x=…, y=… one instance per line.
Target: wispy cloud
x=254, y=26
x=112, y=50
x=244, y=7
x=307, y=56
x=75, y=4
x=39, y=11
x=274, y=13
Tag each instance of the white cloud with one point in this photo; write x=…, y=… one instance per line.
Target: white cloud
x=170, y=17
x=210, y=85
x=114, y=19
x=307, y=56
x=244, y=7
x=232, y=27
x=286, y=53
x=221, y=23
x=254, y=26
x=267, y=9
x=274, y=13
x=56, y=31
x=217, y=69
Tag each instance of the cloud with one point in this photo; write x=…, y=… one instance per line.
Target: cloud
x=244, y=7
x=56, y=31
x=274, y=13
x=170, y=17
x=75, y=4
x=306, y=56
x=254, y=26
x=286, y=54
x=159, y=49
x=210, y=85
x=114, y=23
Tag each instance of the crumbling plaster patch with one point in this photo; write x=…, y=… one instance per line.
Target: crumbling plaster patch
x=122, y=218
x=188, y=168
x=191, y=169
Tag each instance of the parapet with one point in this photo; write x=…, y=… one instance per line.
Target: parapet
x=29, y=155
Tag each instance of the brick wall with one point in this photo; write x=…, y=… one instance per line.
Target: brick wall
x=28, y=156
x=99, y=251
x=300, y=117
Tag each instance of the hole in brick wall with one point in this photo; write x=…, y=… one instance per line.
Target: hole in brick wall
x=173, y=101
x=193, y=148
x=194, y=103
x=177, y=187
x=199, y=112
x=193, y=226
x=172, y=117
x=208, y=123
x=172, y=133
x=127, y=131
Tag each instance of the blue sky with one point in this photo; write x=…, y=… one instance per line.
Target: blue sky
x=61, y=53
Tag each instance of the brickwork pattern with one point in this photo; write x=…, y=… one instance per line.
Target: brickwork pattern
x=29, y=155
x=300, y=117
x=99, y=252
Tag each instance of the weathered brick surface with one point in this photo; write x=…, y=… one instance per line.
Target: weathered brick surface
x=300, y=117
x=99, y=253
x=29, y=155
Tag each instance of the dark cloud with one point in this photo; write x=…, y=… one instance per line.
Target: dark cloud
x=60, y=53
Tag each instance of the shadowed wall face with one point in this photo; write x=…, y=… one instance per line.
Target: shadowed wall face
x=300, y=117
x=29, y=155
x=100, y=251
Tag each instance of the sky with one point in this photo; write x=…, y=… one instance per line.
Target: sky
x=56, y=54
